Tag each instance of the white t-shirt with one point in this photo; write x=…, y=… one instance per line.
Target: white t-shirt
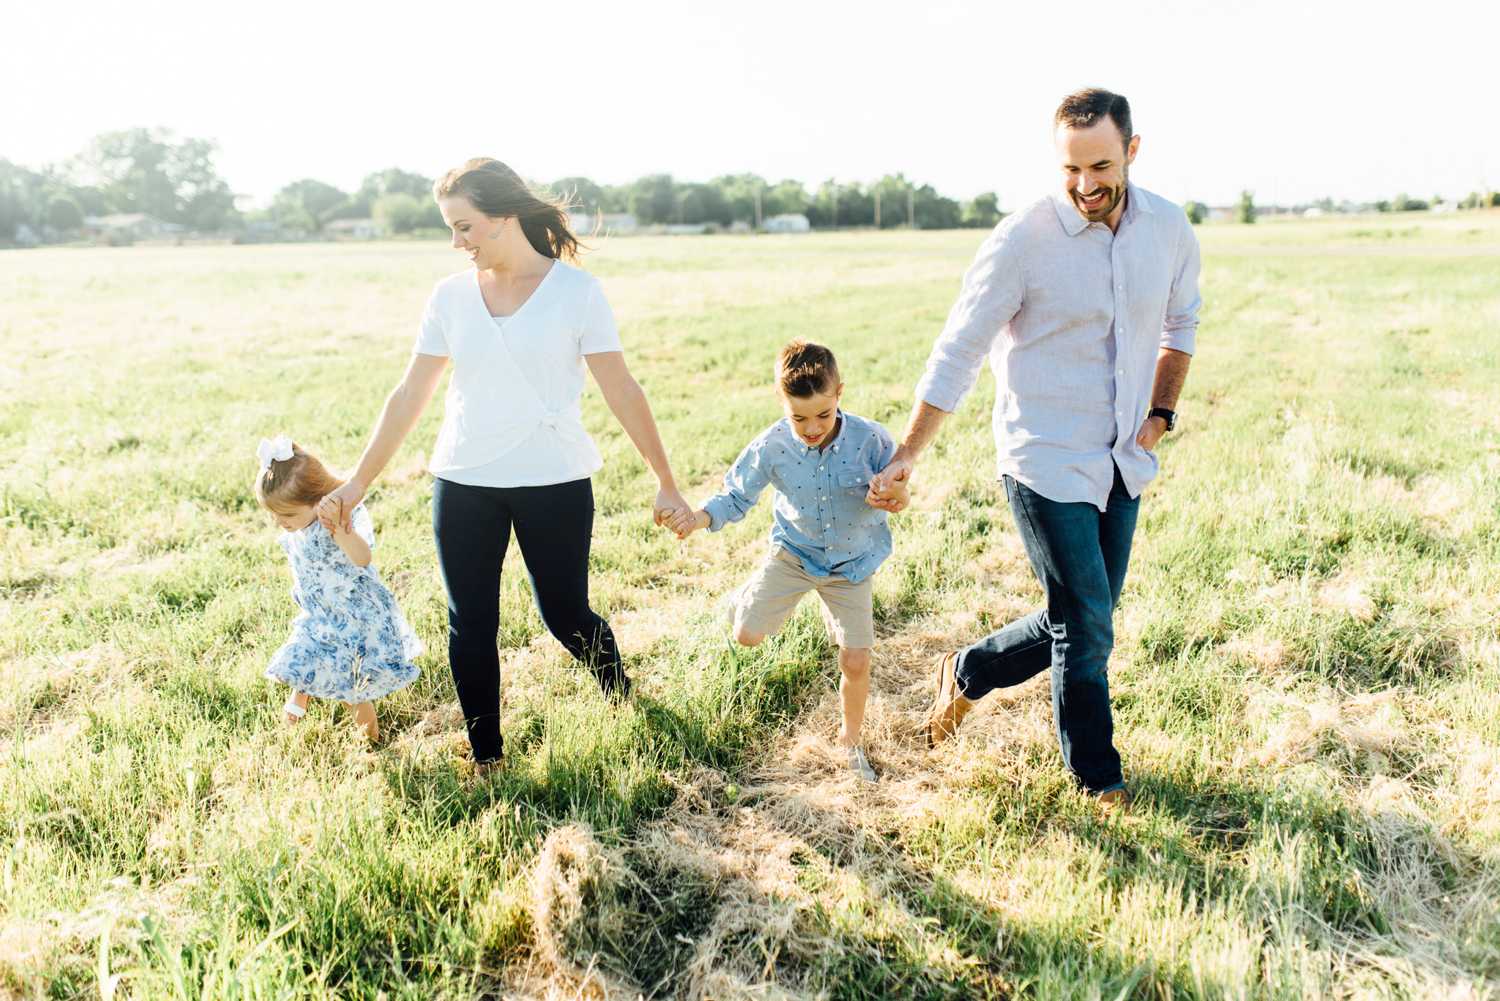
x=512, y=416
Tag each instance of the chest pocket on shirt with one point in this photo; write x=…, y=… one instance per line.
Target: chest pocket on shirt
x=855, y=483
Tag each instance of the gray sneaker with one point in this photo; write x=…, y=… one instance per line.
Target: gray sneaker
x=860, y=765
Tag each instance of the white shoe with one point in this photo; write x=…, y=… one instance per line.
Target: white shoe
x=860, y=765
x=292, y=709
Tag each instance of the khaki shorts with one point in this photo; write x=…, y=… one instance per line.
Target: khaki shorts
x=772, y=592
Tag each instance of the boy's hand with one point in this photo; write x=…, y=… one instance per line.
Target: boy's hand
x=898, y=470
x=896, y=497
x=685, y=523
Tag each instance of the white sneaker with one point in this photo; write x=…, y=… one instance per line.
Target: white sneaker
x=860, y=765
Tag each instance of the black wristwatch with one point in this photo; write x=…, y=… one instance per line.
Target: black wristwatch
x=1170, y=416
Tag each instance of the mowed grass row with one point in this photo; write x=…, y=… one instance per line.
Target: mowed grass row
x=1305, y=682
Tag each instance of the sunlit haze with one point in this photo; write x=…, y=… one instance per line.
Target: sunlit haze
x=1294, y=101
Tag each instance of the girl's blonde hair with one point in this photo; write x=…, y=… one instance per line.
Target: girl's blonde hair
x=300, y=481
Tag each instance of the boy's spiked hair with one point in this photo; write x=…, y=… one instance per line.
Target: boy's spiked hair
x=806, y=369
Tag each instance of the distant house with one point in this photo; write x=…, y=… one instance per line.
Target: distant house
x=26, y=236
x=790, y=222
x=127, y=227
x=609, y=223
x=354, y=229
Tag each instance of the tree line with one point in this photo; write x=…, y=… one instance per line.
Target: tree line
x=174, y=181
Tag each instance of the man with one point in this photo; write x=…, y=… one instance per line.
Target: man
x=1087, y=304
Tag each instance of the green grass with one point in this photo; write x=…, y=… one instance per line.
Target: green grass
x=1306, y=675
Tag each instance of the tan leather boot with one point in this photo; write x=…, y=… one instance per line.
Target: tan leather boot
x=948, y=707
x=1114, y=801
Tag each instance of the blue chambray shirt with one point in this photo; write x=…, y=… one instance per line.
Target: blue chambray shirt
x=820, y=515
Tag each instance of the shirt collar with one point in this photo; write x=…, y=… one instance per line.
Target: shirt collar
x=1073, y=223
x=1067, y=214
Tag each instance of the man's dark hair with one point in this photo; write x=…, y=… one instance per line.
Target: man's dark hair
x=1082, y=109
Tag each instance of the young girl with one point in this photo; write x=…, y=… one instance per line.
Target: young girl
x=350, y=641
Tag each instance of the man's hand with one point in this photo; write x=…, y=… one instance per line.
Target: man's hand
x=890, y=482
x=1151, y=433
x=896, y=499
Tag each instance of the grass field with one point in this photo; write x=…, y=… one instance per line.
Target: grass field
x=1306, y=679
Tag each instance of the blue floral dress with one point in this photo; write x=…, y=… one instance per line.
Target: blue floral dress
x=350, y=641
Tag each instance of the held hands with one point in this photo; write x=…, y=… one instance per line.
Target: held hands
x=889, y=489
x=688, y=521
x=336, y=510
x=669, y=505
x=896, y=499
x=1151, y=433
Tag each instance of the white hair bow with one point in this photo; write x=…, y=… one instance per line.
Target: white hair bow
x=277, y=449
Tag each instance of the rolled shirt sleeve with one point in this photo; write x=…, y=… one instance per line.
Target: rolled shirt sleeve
x=743, y=485
x=1180, y=326
x=991, y=295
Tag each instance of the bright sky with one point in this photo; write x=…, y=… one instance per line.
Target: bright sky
x=1294, y=99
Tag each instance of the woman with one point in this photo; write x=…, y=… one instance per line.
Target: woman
x=519, y=327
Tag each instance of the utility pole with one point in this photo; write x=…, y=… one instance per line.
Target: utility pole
x=757, y=207
x=911, y=211
x=877, y=207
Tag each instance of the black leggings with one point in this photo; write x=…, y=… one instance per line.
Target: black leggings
x=553, y=526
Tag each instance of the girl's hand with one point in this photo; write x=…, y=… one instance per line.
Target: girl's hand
x=336, y=510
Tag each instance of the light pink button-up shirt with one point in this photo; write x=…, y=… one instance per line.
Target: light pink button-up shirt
x=1071, y=317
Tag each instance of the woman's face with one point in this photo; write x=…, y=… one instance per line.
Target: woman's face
x=474, y=233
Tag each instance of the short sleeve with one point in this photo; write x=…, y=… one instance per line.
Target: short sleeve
x=883, y=450
x=430, y=338
x=599, y=334
x=362, y=524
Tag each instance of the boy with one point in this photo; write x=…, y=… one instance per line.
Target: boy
x=825, y=536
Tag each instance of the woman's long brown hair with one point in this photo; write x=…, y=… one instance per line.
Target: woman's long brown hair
x=499, y=192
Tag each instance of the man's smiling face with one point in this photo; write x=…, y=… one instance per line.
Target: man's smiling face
x=1095, y=164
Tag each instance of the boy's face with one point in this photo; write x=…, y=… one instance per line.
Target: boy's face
x=813, y=417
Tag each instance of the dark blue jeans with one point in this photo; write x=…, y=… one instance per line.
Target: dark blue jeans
x=554, y=525
x=1079, y=554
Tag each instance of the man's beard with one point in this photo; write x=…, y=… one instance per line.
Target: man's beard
x=1116, y=195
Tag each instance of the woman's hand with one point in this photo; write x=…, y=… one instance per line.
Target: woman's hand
x=669, y=504
x=336, y=510
x=685, y=522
